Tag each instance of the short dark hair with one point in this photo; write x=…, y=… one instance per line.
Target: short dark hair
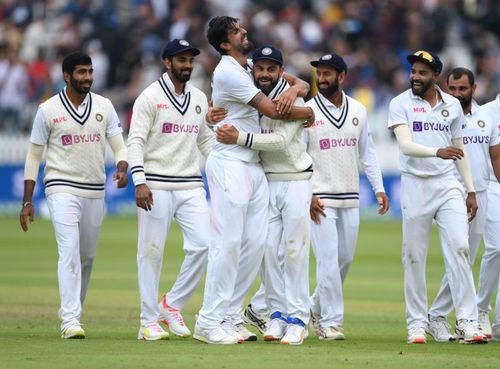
x=72, y=60
x=218, y=30
x=457, y=73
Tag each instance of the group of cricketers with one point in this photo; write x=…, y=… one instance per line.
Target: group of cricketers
x=282, y=174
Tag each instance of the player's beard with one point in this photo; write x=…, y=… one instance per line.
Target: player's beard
x=465, y=101
x=266, y=89
x=77, y=85
x=181, y=75
x=420, y=91
x=330, y=89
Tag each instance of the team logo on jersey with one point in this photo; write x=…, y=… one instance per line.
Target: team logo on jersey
x=445, y=113
x=197, y=109
x=355, y=121
x=417, y=126
x=481, y=124
x=99, y=117
x=59, y=120
x=184, y=43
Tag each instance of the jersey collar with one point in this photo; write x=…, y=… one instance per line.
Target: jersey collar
x=181, y=103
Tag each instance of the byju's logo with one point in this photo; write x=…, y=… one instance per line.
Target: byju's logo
x=67, y=140
x=167, y=128
x=324, y=144
x=417, y=126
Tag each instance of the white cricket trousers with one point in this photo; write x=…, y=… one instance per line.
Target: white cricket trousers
x=422, y=200
x=286, y=271
x=490, y=263
x=190, y=209
x=443, y=303
x=239, y=198
x=77, y=222
x=334, y=243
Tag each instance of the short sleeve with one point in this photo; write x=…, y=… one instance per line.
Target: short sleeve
x=40, y=131
x=397, y=114
x=239, y=87
x=114, y=127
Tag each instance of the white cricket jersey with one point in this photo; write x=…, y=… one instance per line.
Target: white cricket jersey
x=233, y=88
x=282, y=151
x=430, y=126
x=165, y=134
x=337, y=141
x=76, y=143
x=492, y=110
x=479, y=134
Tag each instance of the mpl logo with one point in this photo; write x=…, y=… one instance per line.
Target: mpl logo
x=417, y=126
x=167, y=128
x=67, y=140
x=324, y=144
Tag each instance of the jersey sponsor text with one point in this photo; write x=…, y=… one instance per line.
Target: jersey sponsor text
x=419, y=126
x=67, y=140
x=179, y=128
x=330, y=143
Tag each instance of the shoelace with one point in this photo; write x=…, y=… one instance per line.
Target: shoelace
x=177, y=316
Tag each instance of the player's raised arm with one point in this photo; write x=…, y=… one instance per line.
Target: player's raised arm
x=267, y=107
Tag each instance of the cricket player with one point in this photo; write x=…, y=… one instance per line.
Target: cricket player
x=428, y=125
x=482, y=144
x=338, y=141
x=490, y=263
x=238, y=188
x=288, y=169
x=167, y=129
x=74, y=125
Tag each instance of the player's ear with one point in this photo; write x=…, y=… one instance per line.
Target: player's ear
x=66, y=77
x=342, y=76
x=225, y=46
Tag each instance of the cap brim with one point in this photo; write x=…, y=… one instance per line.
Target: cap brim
x=414, y=58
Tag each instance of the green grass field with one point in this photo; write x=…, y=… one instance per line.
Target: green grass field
x=374, y=323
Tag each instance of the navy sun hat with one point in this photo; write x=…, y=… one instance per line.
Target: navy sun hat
x=332, y=60
x=177, y=46
x=428, y=58
x=267, y=53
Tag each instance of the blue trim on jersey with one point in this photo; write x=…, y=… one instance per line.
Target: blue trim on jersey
x=338, y=196
x=329, y=116
x=181, y=107
x=161, y=178
x=79, y=118
x=83, y=186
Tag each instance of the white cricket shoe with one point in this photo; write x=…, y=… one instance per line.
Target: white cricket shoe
x=318, y=331
x=439, y=329
x=260, y=321
x=230, y=329
x=74, y=331
x=296, y=332
x=484, y=324
x=277, y=327
x=215, y=336
x=173, y=319
x=152, y=332
x=416, y=335
x=245, y=333
x=332, y=334
x=467, y=331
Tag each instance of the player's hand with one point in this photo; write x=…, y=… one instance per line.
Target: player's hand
x=308, y=123
x=121, y=179
x=383, y=203
x=450, y=153
x=285, y=101
x=317, y=209
x=471, y=204
x=27, y=212
x=215, y=115
x=143, y=197
x=227, y=134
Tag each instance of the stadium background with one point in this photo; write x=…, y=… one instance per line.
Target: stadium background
x=125, y=38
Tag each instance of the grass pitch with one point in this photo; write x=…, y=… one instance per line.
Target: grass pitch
x=374, y=323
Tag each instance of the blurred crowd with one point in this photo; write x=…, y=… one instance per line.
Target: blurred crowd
x=125, y=38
